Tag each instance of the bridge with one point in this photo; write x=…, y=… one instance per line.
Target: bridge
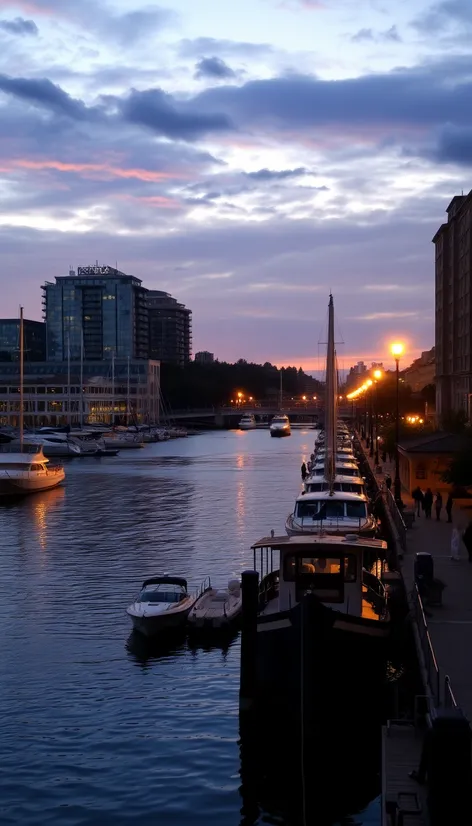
x=228, y=415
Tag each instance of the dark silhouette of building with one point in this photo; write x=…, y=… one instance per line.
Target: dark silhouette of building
x=453, y=265
x=100, y=308
x=170, y=329
x=204, y=357
x=34, y=340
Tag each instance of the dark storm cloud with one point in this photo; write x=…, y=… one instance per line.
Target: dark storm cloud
x=19, y=26
x=200, y=46
x=160, y=112
x=45, y=94
x=214, y=68
x=454, y=145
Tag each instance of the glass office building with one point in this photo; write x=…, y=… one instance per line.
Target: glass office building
x=99, y=309
x=170, y=328
x=34, y=340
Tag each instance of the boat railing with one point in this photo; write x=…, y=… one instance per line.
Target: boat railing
x=54, y=469
x=204, y=586
x=431, y=664
x=374, y=592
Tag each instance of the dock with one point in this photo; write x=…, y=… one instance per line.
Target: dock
x=443, y=637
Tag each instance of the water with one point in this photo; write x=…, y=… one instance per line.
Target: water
x=97, y=729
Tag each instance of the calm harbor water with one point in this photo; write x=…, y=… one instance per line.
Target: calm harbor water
x=97, y=729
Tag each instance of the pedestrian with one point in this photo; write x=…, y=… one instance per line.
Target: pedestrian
x=388, y=481
x=384, y=457
x=467, y=540
x=455, y=544
x=438, y=506
x=304, y=471
x=418, y=497
x=449, y=504
x=428, y=503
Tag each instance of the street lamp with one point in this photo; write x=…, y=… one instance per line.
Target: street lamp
x=377, y=376
x=397, y=350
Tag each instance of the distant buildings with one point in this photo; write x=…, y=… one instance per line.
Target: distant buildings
x=204, y=357
x=453, y=265
x=170, y=328
x=34, y=333
x=100, y=309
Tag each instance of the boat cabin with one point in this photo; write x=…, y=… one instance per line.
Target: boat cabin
x=342, y=469
x=163, y=589
x=347, y=484
x=331, y=567
x=331, y=509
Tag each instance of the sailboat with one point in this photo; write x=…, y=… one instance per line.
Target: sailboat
x=23, y=466
x=331, y=510
x=321, y=614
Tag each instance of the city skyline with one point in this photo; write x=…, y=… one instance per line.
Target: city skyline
x=246, y=169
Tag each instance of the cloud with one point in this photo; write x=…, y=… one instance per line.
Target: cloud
x=446, y=14
x=276, y=175
x=215, y=68
x=199, y=46
x=161, y=113
x=19, y=26
x=45, y=94
x=364, y=35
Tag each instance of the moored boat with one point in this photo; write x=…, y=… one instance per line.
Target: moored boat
x=247, y=422
x=163, y=604
x=25, y=469
x=217, y=609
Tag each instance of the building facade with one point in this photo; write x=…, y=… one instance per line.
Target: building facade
x=170, y=329
x=421, y=371
x=34, y=340
x=99, y=309
x=123, y=392
x=453, y=269
x=204, y=357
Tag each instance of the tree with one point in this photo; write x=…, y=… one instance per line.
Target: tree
x=459, y=472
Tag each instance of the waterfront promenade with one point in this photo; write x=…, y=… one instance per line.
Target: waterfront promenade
x=450, y=624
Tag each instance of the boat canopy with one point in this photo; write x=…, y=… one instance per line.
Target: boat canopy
x=166, y=580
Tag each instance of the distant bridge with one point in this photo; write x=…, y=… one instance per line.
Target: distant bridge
x=228, y=415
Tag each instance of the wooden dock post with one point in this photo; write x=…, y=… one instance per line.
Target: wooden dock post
x=250, y=603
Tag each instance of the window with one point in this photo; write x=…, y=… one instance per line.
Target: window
x=356, y=510
x=298, y=565
x=420, y=471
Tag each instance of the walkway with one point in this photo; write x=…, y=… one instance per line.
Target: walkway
x=449, y=625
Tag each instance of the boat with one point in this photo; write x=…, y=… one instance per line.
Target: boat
x=280, y=426
x=25, y=469
x=323, y=619
x=247, y=422
x=217, y=609
x=163, y=604
x=331, y=511
x=348, y=484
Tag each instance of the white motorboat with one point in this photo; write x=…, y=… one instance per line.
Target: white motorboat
x=163, y=604
x=331, y=512
x=248, y=422
x=25, y=469
x=217, y=608
x=280, y=426
x=54, y=444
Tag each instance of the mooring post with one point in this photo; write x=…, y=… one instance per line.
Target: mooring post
x=250, y=603
x=449, y=768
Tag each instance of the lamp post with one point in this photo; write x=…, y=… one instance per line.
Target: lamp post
x=377, y=376
x=397, y=350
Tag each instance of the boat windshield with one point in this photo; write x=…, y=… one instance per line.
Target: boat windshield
x=330, y=509
x=347, y=487
x=169, y=595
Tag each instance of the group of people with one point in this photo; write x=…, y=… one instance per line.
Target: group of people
x=425, y=501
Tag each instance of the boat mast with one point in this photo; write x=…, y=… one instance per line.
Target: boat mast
x=113, y=388
x=127, y=399
x=280, y=391
x=81, y=398
x=331, y=401
x=22, y=358
x=69, y=414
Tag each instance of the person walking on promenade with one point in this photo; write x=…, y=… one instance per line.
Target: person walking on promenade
x=428, y=503
x=418, y=499
x=467, y=540
x=438, y=506
x=388, y=481
x=449, y=504
x=304, y=471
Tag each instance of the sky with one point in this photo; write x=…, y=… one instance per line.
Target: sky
x=248, y=157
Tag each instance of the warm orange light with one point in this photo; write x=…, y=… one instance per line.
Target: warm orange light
x=250, y=398
x=314, y=398
x=378, y=374
x=369, y=382
x=240, y=395
x=397, y=349
x=304, y=398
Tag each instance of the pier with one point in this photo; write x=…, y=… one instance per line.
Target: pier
x=443, y=636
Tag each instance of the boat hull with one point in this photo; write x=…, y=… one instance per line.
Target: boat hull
x=280, y=433
x=367, y=532
x=153, y=626
x=315, y=651
x=22, y=487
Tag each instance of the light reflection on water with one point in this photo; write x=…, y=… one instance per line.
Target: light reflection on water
x=97, y=727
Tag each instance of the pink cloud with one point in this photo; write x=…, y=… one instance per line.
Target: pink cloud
x=92, y=170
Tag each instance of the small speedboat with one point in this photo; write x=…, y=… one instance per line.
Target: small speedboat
x=163, y=604
x=217, y=608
